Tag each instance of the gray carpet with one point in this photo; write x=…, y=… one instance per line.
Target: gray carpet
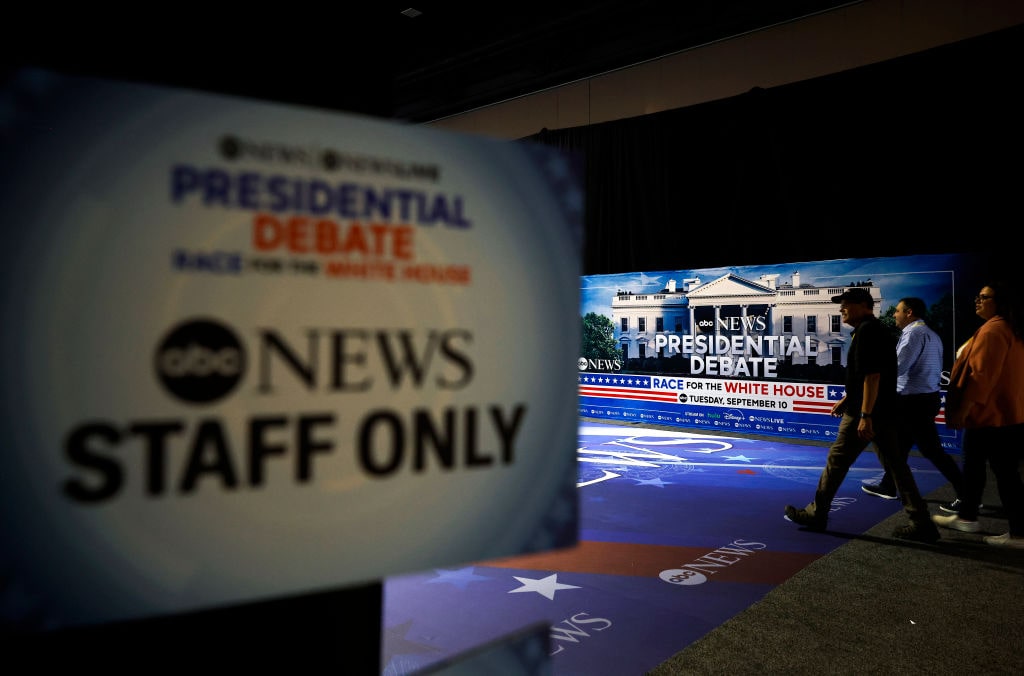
x=877, y=605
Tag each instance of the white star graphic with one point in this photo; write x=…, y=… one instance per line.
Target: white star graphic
x=741, y=458
x=652, y=482
x=545, y=587
x=461, y=578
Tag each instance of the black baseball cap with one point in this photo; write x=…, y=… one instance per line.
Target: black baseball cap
x=857, y=294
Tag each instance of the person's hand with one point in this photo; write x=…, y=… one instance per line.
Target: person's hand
x=839, y=407
x=957, y=420
x=866, y=429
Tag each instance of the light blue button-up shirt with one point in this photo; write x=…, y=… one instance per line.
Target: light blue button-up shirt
x=919, y=359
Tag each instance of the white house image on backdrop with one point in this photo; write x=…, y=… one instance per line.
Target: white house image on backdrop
x=733, y=306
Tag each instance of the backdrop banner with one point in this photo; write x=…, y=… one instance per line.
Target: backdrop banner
x=252, y=350
x=753, y=349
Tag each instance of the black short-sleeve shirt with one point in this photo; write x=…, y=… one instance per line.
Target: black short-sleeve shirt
x=872, y=350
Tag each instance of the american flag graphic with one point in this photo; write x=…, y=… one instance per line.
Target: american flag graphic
x=813, y=406
x=837, y=392
x=632, y=387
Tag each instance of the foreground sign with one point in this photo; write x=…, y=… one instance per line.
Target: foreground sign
x=252, y=350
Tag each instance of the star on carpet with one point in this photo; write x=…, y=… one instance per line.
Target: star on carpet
x=395, y=643
x=741, y=458
x=545, y=586
x=652, y=482
x=461, y=578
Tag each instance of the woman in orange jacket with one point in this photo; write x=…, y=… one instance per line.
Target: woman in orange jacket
x=986, y=400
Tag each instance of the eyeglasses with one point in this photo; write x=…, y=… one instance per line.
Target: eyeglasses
x=982, y=297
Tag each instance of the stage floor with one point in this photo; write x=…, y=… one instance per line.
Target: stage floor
x=679, y=531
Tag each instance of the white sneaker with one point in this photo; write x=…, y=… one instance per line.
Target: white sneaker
x=1005, y=540
x=956, y=523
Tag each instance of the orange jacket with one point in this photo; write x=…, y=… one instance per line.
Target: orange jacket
x=990, y=373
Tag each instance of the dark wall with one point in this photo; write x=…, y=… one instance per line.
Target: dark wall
x=915, y=155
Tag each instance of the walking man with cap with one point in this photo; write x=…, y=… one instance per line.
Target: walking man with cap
x=868, y=413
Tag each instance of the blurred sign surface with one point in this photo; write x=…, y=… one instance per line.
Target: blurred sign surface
x=252, y=350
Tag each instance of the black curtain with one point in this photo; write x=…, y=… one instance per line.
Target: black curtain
x=915, y=155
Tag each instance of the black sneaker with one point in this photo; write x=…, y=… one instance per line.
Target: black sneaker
x=876, y=489
x=800, y=516
x=954, y=507
x=919, y=532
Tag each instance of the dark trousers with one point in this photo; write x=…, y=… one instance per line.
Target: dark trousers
x=1001, y=448
x=916, y=425
x=845, y=450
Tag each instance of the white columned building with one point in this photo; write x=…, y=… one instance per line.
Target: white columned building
x=732, y=305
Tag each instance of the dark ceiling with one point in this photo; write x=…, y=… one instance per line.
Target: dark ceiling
x=373, y=58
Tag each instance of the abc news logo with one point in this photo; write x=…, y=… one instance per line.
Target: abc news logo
x=200, y=361
x=584, y=364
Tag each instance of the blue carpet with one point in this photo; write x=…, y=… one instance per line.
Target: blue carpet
x=678, y=533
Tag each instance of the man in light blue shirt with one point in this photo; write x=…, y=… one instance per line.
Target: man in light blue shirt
x=919, y=367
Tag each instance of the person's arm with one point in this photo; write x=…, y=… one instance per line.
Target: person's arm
x=865, y=428
x=955, y=406
x=985, y=361
x=908, y=351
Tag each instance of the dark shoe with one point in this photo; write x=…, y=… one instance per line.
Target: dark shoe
x=876, y=489
x=954, y=507
x=918, y=532
x=800, y=516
